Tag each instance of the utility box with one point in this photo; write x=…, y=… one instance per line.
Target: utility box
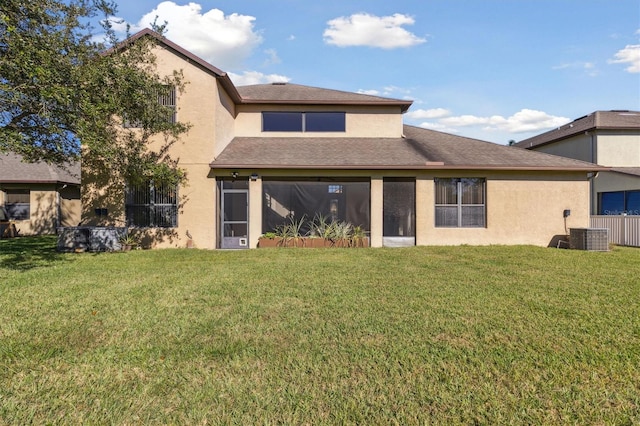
x=593, y=239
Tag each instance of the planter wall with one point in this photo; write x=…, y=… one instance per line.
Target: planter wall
x=307, y=242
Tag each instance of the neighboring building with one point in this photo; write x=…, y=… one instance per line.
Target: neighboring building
x=607, y=138
x=38, y=197
x=258, y=156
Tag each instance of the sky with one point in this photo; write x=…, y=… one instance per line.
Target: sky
x=496, y=70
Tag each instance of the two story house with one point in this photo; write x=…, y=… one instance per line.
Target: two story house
x=259, y=156
x=608, y=138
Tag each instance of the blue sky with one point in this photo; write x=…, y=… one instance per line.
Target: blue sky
x=496, y=70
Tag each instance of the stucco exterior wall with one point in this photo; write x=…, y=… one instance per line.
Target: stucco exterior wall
x=521, y=207
x=617, y=149
x=50, y=206
x=612, y=181
x=578, y=147
x=208, y=108
x=382, y=122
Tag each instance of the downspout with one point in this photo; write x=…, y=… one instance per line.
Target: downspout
x=58, y=223
x=594, y=159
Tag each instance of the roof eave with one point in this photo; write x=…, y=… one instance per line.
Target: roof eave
x=434, y=166
x=404, y=106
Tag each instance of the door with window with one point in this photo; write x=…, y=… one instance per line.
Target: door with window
x=234, y=214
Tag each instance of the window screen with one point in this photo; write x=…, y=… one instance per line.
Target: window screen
x=399, y=199
x=285, y=200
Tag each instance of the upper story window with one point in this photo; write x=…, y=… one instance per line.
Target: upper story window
x=166, y=98
x=276, y=121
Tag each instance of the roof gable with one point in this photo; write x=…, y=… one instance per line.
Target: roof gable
x=187, y=56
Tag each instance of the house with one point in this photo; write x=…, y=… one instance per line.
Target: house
x=38, y=197
x=260, y=156
x=607, y=138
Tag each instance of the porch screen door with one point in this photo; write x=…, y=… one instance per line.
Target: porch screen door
x=234, y=207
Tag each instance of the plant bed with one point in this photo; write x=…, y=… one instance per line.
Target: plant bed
x=322, y=232
x=312, y=242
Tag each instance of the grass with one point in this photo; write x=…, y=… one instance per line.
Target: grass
x=486, y=335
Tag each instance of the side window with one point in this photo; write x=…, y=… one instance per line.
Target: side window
x=460, y=202
x=18, y=204
x=152, y=205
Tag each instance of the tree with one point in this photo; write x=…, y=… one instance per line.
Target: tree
x=59, y=87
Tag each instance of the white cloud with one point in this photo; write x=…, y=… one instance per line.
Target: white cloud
x=272, y=57
x=223, y=40
x=371, y=92
x=255, y=77
x=629, y=55
x=438, y=126
x=363, y=29
x=525, y=120
x=429, y=114
x=588, y=67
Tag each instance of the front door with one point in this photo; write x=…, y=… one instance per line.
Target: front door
x=234, y=207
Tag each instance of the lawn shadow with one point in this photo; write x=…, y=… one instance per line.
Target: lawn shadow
x=24, y=253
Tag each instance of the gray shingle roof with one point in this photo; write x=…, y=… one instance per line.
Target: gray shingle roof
x=627, y=120
x=14, y=170
x=634, y=171
x=419, y=149
x=287, y=93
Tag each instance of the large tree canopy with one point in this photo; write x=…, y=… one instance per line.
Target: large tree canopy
x=59, y=87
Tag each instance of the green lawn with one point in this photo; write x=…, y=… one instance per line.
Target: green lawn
x=487, y=335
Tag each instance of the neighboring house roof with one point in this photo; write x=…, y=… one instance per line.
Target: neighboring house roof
x=619, y=120
x=634, y=171
x=14, y=170
x=287, y=93
x=418, y=149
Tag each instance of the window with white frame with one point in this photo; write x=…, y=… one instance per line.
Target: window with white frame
x=460, y=202
x=152, y=205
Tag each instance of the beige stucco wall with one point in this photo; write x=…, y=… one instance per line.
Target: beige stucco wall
x=382, y=122
x=207, y=107
x=522, y=207
x=616, y=149
x=51, y=205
